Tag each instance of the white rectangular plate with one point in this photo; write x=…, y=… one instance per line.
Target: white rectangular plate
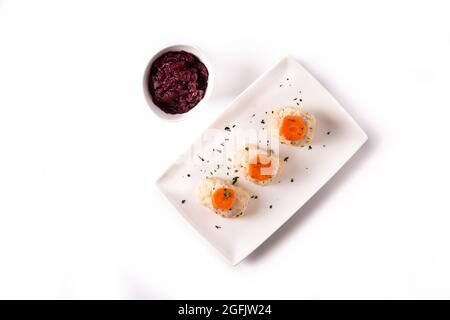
x=336, y=139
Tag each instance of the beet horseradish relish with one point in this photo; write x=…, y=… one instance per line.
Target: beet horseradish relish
x=177, y=81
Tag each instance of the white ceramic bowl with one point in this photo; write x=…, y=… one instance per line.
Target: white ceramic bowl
x=177, y=117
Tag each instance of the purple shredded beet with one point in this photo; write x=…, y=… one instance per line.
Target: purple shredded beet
x=177, y=81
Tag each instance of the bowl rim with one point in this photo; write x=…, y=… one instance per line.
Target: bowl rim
x=208, y=92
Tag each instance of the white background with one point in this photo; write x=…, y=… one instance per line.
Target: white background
x=80, y=216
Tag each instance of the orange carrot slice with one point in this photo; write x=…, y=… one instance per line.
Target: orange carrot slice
x=293, y=128
x=223, y=198
x=260, y=168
